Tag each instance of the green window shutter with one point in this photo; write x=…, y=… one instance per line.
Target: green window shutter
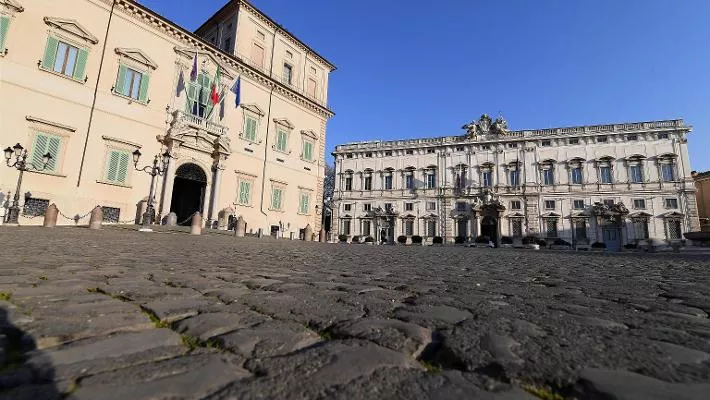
x=121, y=80
x=4, y=27
x=122, y=167
x=143, y=96
x=53, y=146
x=39, y=149
x=50, y=53
x=80, y=69
x=112, y=167
x=191, y=97
x=247, y=188
x=305, y=204
x=250, y=129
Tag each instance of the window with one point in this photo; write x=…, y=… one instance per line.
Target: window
x=304, y=202
x=368, y=183
x=367, y=207
x=244, y=193
x=349, y=183
x=431, y=228
x=430, y=151
x=549, y=204
x=551, y=227
x=663, y=136
x=608, y=202
x=602, y=139
x=131, y=83
x=574, y=141
x=388, y=182
x=388, y=207
x=308, y=150
x=311, y=87
x=117, y=166
x=431, y=206
x=576, y=174
x=260, y=35
x=281, y=140
x=366, y=228
x=546, y=143
x=198, y=96
x=515, y=205
x=35, y=207
x=408, y=206
x=347, y=207
x=515, y=178
x=349, y=155
x=4, y=27
x=368, y=155
x=674, y=230
x=487, y=178
x=667, y=172
x=671, y=203
x=228, y=44
x=45, y=143
x=635, y=174
x=249, y=128
x=516, y=225
x=548, y=177
x=605, y=174
x=580, y=229
x=485, y=147
x=276, y=198
x=639, y=204
x=257, y=56
x=409, y=152
x=346, y=227
x=460, y=148
x=111, y=214
x=632, y=137
x=288, y=74
x=460, y=206
x=409, y=227
x=578, y=204
x=289, y=54
x=430, y=180
x=409, y=181
x=65, y=59
x=512, y=145
x=641, y=229
x=388, y=153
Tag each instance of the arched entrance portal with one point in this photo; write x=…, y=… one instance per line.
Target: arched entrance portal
x=188, y=192
x=489, y=228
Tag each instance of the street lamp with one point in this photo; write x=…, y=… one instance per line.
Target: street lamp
x=21, y=164
x=159, y=167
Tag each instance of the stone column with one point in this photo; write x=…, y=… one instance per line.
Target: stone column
x=166, y=195
x=214, y=194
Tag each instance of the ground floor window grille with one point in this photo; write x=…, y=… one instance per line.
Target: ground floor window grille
x=346, y=227
x=35, y=207
x=431, y=228
x=111, y=214
x=463, y=228
x=641, y=228
x=516, y=226
x=580, y=230
x=409, y=227
x=366, y=228
x=551, y=227
x=673, y=229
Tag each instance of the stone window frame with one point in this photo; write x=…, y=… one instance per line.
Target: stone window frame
x=430, y=206
x=308, y=136
x=406, y=223
x=349, y=222
x=409, y=172
x=282, y=125
x=545, y=166
x=388, y=173
x=251, y=111
x=573, y=164
x=432, y=171
x=347, y=206
x=673, y=218
x=120, y=145
x=605, y=161
x=486, y=167
x=348, y=177
x=514, y=220
x=308, y=193
x=367, y=178
x=574, y=204
x=366, y=207
x=666, y=202
x=8, y=9
x=41, y=126
x=249, y=178
x=513, y=167
x=72, y=33
x=667, y=159
x=138, y=61
x=636, y=160
x=546, y=204
x=519, y=203
x=460, y=172
x=642, y=205
x=408, y=206
x=551, y=219
x=281, y=186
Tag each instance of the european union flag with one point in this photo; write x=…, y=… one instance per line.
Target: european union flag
x=237, y=89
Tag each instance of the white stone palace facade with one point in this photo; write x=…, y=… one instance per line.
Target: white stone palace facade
x=616, y=184
x=91, y=81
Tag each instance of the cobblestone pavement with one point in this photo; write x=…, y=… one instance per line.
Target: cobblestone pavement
x=117, y=314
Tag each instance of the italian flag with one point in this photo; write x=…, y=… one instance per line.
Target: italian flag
x=214, y=96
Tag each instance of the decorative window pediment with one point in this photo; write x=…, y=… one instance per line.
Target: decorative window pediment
x=284, y=122
x=13, y=5
x=310, y=134
x=551, y=215
x=137, y=56
x=72, y=27
x=254, y=109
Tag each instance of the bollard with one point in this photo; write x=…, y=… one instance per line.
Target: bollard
x=322, y=237
x=171, y=219
x=196, y=226
x=260, y=234
x=240, y=229
x=50, y=216
x=97, y=216
x=308, y=233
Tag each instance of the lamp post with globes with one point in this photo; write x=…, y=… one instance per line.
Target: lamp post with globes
x=159, y=167
x=20, y=154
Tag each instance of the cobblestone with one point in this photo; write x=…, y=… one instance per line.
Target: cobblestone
x=121, y=314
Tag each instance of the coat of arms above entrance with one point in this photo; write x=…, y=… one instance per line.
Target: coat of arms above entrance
x=485, y=125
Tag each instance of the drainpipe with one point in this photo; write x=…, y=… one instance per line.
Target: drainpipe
x=96, y=89
x=266, y=152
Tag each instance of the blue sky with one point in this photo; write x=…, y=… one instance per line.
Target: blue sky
x=415, y=68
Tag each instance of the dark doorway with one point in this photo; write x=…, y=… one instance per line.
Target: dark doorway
x=489, y=228
x=275, y=231
x=612, y=238
x=188, y=192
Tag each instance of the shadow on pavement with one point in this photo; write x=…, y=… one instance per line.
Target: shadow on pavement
x=18, y=379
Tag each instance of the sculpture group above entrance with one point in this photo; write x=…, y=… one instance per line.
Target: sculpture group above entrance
x=486, y=126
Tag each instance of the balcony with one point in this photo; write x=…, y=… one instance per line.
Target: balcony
x=200, y=123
